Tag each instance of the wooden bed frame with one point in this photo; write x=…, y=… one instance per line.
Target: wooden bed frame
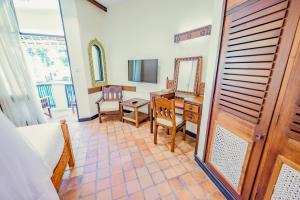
x=67, y=157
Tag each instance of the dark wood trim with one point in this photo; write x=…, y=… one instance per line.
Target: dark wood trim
x=127, y=87
x=195, y=33
x=99, y=5
x=124, y=88
x=94, y=90
x=228, y=195
x=88, y=118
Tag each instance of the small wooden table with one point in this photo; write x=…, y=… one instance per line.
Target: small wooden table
x=136, y=116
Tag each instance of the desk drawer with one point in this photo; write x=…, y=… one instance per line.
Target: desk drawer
x=191, y=116
x=191, y=108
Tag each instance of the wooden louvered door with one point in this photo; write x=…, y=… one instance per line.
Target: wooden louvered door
x=256, y=41
x=279, y=173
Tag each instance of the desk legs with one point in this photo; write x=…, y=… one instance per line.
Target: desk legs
x=197, y=138
x=136, y=117
x=151, y=120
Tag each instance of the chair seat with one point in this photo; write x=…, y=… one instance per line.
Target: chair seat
x=179, y=120
x=107, y=106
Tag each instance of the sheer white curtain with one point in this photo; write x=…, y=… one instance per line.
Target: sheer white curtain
x=23, y=174
x=18, y=98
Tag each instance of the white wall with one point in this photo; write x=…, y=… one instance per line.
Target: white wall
x=218, y=11
x=143, y=29
x=79, y=71
x=82, y=23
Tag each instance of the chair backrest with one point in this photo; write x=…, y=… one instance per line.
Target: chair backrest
x=112, y=93
x=164, y=109
x=45, y=102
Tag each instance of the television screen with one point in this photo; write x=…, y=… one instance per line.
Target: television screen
x=143, y=70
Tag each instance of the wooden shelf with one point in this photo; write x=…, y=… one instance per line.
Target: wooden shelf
x=131, y=116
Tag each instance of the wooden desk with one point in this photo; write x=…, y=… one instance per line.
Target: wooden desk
x=191, y=106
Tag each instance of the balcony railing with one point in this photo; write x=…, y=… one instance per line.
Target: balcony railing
x=60, y=95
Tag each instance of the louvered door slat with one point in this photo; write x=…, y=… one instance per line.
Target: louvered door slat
x=239, y=114
x=296, y=119
x=298, y=110
x=250, y=92
x=260, y=58
x=249, y=52
x=295, y=128
x=251, y=45
x=258, y=29
x=264, y=12
x=242, y=96
x=248, y=65
x=260, y=21
x=254, y=8
x=254, y=86
x=247, y=72
x=259, y=36
x=242, y=109
x=253, y=79
x=245, y=104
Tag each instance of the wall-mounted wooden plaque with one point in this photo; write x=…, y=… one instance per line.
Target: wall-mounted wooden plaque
x=199, y=32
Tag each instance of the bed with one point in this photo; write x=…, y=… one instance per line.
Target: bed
x=52, y=142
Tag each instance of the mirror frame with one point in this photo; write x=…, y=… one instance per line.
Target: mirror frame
x=198, y=74
x=92, y=72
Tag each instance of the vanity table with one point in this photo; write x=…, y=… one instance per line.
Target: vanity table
x=187, y=91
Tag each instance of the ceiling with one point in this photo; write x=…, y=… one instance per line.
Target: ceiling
x=108, y=3
x=37, y=4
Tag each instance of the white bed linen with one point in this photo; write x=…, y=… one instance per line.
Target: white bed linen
x=47, y=140
x=23, y=173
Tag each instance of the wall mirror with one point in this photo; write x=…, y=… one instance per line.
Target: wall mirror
x=97, y=63
x=187, y=74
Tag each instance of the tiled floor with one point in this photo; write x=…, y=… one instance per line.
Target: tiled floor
x=115, y=160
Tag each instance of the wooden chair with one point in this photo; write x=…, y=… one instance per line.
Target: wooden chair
x=46, y=105
x=110, y=101
x=165, y=116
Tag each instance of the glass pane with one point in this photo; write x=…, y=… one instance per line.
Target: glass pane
x=187, y=76
x=97, y=63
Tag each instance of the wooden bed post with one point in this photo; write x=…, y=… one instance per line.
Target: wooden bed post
x=65, y=130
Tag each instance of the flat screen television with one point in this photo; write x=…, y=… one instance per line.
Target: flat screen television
x=143, y=70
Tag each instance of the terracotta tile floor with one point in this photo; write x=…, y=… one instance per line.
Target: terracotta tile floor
x=115, y=160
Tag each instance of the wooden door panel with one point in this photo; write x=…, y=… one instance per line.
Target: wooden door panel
x=279, y=174
x=285, y=180
x=255, y=47
x=232, y=143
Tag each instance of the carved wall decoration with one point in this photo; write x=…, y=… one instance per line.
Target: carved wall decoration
x=199, y=32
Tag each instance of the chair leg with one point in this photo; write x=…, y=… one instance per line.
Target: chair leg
x=49, y=112
x=173, y=139
x=168, y=131
x=100, y=119
x=184, y=132
x=155, y=133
